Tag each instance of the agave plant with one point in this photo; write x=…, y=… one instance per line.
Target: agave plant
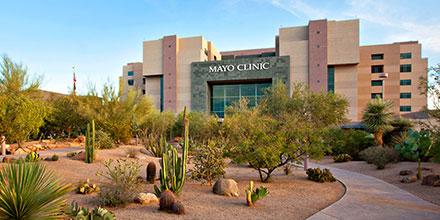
x=30, y=191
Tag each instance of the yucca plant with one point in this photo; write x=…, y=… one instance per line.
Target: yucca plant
x=377, y=118
x=30, y=191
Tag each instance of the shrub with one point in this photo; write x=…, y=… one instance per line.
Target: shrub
x=342, y=158
x=32, y=157
x=131, y=152
x=103, y=140
x=123, y=182
x=400, y=127
x=30, y=191
x=86, y=187
x=208, y=162
x=156, y=146
x=321, y=176
x=379, y=156
x=77, y=212
x=349, y=142
x=202, y=128
x=55, y=157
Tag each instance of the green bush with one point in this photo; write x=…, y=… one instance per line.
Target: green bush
x=208, y=162
x=349, y=142
x=415, y=146
x=103, y=140
x=123, y=182
x=342, y=158
x=30, y=191
x=379, y=156
x=400, y=127
x=321, y=176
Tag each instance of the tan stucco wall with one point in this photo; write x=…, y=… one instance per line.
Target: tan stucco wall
x=343, y=42
x=153, y=89
x=294, y=42
x=346, y=85
x=137, y=77
x=152, y=53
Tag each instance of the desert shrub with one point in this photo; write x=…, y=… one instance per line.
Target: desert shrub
x=74, y=211
x=85, y=187
x=123, y=182
x=379, y=156
x=321, y=176
x=201, y=129
x=156, y=146
x=55, y=157
x=131, y=152
x=400, y=127
x=30, y=191
x=208, y=162
x=155, y=130
x=103, y=140
x=342, y=158
x=349, y=142
x=416, y=145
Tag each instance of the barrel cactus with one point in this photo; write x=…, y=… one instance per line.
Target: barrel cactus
x=151, y=172
x=166, y=201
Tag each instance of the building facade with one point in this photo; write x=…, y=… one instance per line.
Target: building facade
x=325, y=55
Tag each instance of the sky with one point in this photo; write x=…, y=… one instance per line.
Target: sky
x=99, y=36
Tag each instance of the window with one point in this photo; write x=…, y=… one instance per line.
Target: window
x=405, y=68
x=215, y=57
x=405, y=95
x=405, y=108
x=376, y=82
x=143, y=81
x=377, y=69
x=143, y=91
x=130, y=82
x=405, y=82
x=225, y=95
x=130, y=73
x=331, y=79
x=377, y=56
x=405, y=56
x=376, y=95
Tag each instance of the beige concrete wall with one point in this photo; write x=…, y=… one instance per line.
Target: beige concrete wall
x=294, y=42
x=346, y=85
x=343, y=42
x=152, y=86
x=152, y=57
x=137, y=77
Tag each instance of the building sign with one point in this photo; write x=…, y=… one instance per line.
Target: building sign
x=239, y=67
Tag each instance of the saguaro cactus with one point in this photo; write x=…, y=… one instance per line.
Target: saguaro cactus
x=173, y=167
x=90, y=143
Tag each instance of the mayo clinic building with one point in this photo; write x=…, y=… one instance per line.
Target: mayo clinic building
x=325, y=54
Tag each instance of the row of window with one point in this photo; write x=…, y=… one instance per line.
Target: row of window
x=404, y=68
x=403, y=95
x=403, y=82
x=379, y=56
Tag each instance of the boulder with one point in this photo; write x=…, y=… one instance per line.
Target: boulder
x=7, y=159
x=226, y=187
x=430, y=180
x=407, y=179
x=146, y=198
x=405, y=172
x=437, y=183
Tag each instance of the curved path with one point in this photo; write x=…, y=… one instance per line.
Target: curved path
x=367, y=197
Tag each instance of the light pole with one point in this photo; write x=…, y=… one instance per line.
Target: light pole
x=383, y=76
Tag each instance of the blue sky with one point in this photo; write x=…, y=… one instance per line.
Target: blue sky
x=98, y=37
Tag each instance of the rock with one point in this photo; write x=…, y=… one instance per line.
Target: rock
x=81, y=139
x=427, y=169
x=405, y=172
x=437, y=183
x=430, y=180
x=226, y=187
x=146, y=198
x=407, y=179
x=80, y=156
x=7, y=159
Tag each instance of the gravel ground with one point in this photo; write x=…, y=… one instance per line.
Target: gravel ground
x=391, y=175
x=290, y=197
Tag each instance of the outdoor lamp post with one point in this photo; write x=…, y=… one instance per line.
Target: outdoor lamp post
x=383, y=76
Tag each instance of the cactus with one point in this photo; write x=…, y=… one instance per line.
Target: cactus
x=151, y=172
x=178, y=208
x=253, y=196
x=90, y=143
x=77, y=212
x=166, y=201
x=32, y=157
x=173, y=167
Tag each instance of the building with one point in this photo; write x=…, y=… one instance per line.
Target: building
x=325, y=55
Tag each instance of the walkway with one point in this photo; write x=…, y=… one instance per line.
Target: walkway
x=370, y=198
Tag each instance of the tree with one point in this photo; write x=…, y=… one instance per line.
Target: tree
x=377, y=118
x=282, y=128
x=21, y=114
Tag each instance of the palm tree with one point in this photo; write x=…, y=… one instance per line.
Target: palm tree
x=30, y=191
x=377, y=117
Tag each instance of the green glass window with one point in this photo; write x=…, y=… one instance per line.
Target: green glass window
x=405, y=95
x=376, y=95
x=376, y=82
x=405, y=68
x=405, y=108
x=377, y=69
x=130, y=82
x=377, y=56
x=130, y=73
x=225, y=95
x=405, y=82
x=405, y=56
x=331, y=79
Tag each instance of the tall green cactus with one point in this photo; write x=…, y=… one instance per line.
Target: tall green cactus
x=173, y=167
x=90, y=143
